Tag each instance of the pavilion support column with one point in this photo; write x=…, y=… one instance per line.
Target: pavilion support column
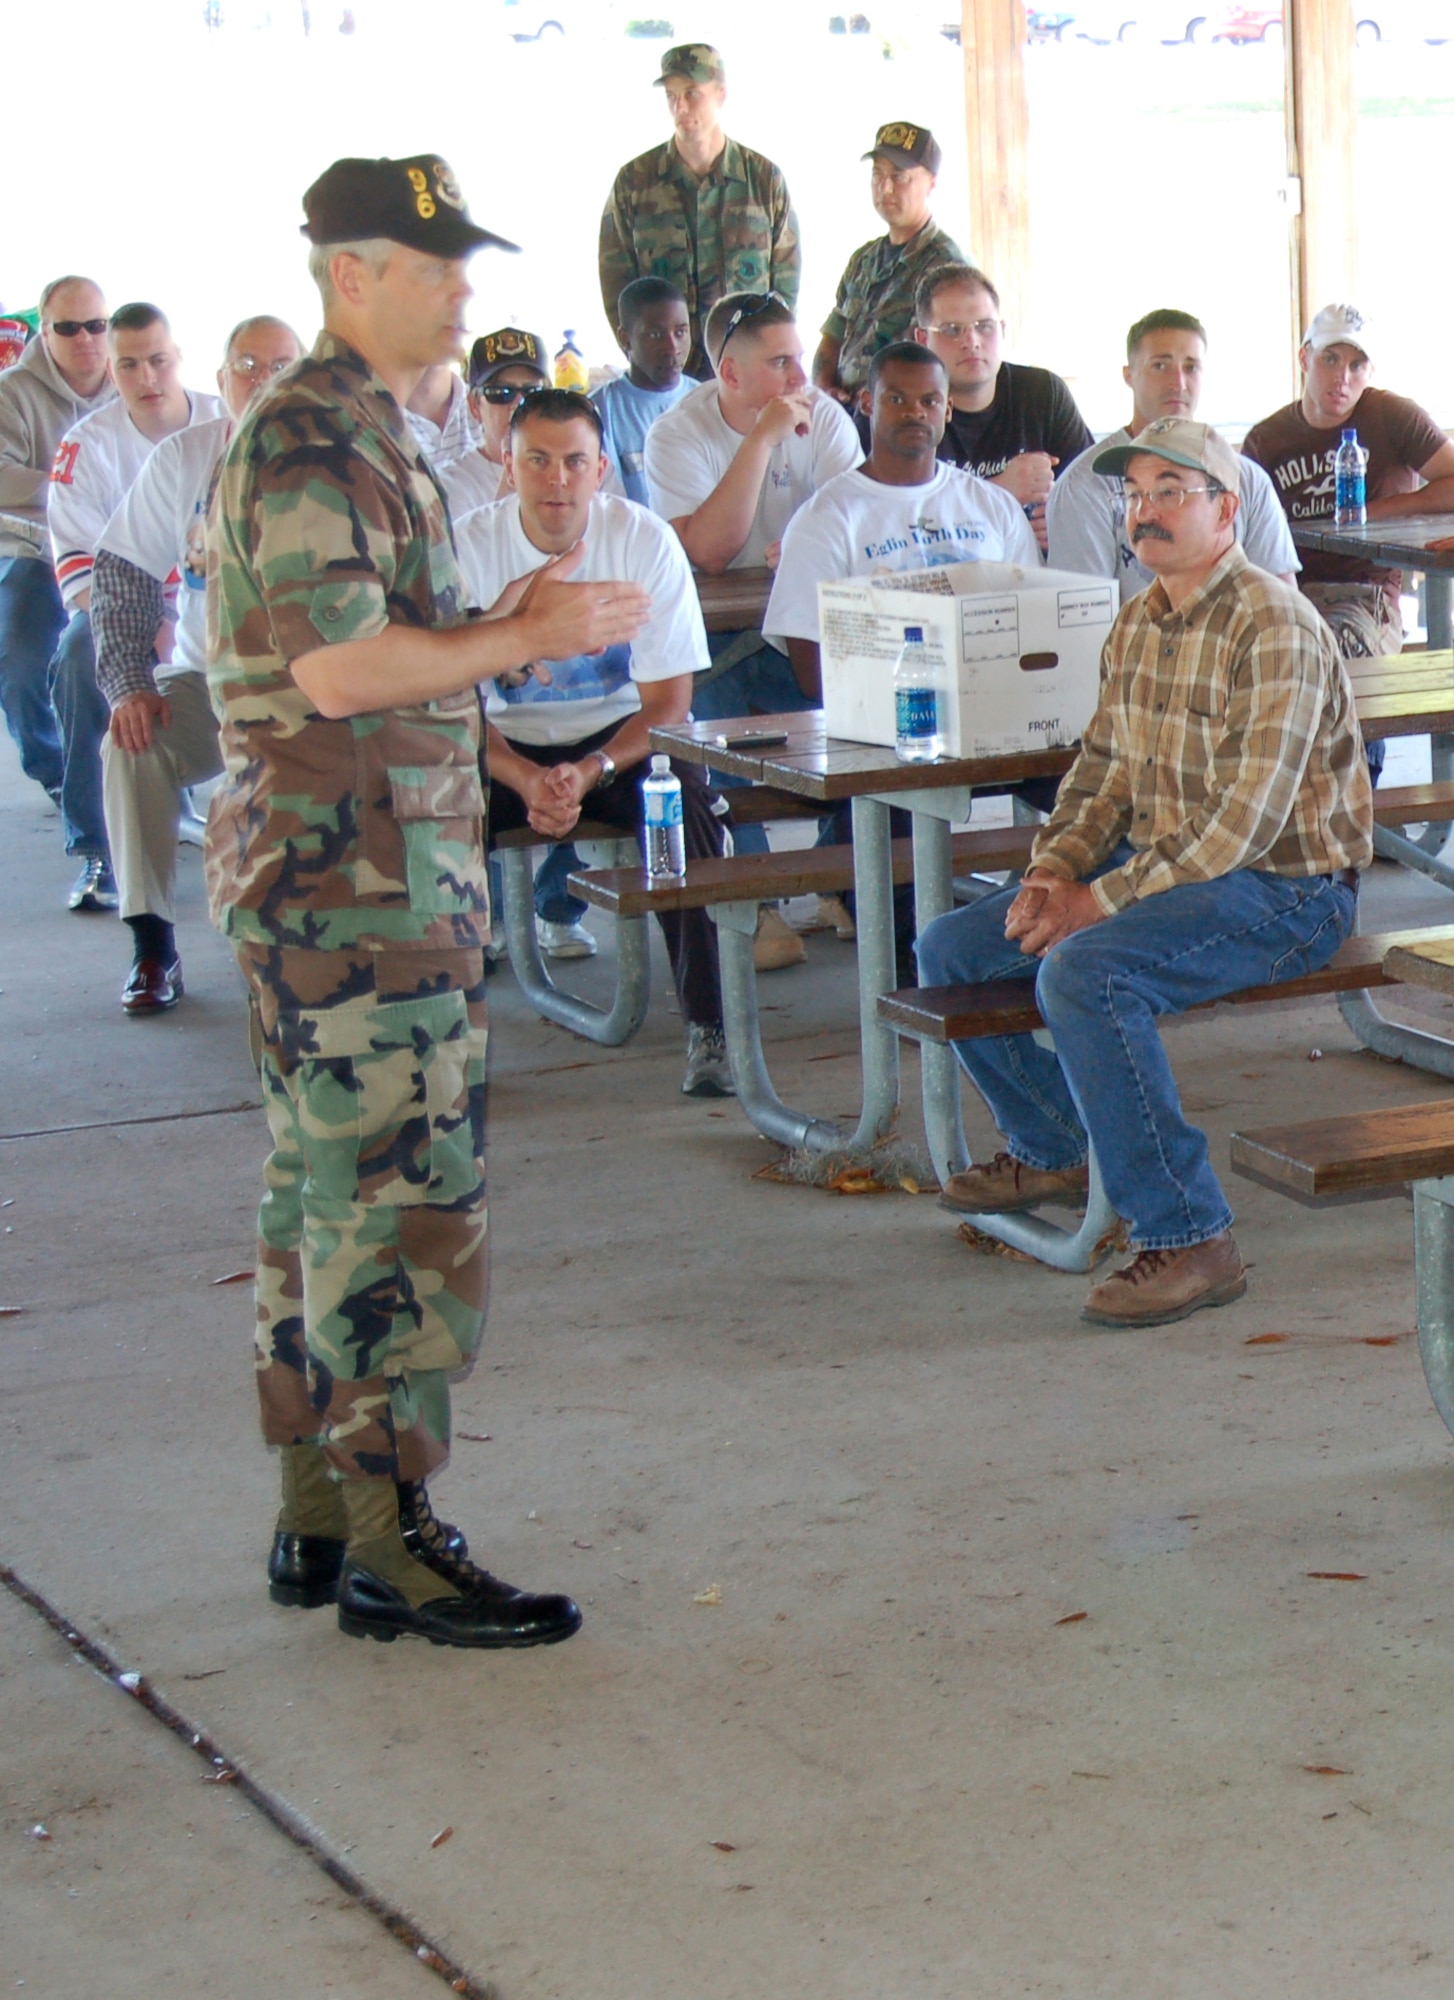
x=997, y=121
x=1322, y=126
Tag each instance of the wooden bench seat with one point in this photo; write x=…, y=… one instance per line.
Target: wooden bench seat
x=1362, y=1149
x=1411, y=805
x=764, y=878
x=960, y=1013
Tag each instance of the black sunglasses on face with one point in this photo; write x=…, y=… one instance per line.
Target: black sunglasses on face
x=69, y=328
x=505, y=392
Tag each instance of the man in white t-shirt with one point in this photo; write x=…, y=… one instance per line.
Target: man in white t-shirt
x=163, y=731
x=902, y=509
x=95, y=463
x=1166, y=356
x=572, y=734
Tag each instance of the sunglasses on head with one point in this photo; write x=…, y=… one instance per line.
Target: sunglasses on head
x=69, y=328
x=748, y=310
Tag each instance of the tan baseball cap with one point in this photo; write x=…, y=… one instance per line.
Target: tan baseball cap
x=1182, y=442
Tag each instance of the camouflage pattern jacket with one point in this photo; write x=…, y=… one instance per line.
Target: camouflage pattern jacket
x=733, y=231
x=327, y=525
x=875, y=303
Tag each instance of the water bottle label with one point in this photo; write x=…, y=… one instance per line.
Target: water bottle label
x=664, y=808
x=916, y=712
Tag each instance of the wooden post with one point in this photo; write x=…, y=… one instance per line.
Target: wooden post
x=1322, y=126
x=997, y=123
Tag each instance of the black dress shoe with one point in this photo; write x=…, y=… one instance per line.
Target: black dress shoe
x=489, y=1613
x=95, y=887
x=303, y=1570
x=152, y=987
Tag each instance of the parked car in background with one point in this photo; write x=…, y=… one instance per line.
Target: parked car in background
x=1148, y=21
x=1245, y=24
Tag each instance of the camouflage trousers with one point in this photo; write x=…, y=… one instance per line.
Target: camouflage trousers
x=372, y=1266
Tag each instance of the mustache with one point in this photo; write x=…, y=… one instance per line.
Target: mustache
x=1154, y=529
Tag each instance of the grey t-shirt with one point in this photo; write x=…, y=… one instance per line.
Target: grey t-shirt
x=1086, y=519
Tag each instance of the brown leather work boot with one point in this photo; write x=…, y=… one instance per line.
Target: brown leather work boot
x=1005, y=1183
x=1163, y=1285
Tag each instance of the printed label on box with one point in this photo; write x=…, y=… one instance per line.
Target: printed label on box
x=1092, y=606
x=990, y=628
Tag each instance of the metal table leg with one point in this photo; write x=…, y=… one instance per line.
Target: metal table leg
x=873, y=888
x=1434, y=1274
x=741, y=1027
x=608, y=1026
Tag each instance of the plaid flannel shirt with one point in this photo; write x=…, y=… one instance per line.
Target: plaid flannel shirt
x=128, y=607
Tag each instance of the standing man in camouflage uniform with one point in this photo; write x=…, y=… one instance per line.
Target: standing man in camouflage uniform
x=708, y=215
x=345, y=862
x=875, y=303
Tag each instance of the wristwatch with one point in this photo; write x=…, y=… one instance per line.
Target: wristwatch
x=608, y=768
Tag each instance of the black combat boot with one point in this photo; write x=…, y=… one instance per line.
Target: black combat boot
x=308, y=1543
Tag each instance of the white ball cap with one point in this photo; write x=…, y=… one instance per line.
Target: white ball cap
x=1335, y=323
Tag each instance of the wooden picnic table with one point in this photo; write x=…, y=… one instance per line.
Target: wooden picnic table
x=1394, y=545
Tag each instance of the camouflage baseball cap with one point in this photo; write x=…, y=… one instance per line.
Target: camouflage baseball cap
x=906, y=146
x=696, y=61
x=508, y=347
x=1180, y=442
x=416, y=202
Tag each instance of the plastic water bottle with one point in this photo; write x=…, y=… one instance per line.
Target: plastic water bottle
x=1350, y=499
x=666, y=850
x=918, y=735
x=571, y=371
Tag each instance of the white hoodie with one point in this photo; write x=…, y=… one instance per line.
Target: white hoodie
x=37, y=408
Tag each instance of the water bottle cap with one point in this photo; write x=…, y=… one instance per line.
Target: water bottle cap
x=1350, y=436
x=913, y=635
x=660, y=766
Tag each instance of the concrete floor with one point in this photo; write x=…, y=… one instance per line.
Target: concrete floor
x=1018, y=1682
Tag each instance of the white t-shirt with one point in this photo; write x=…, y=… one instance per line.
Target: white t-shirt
x=161, y=527
x=858, y=527
x=476, y=481
x=690, y=447
x=624, y=544
x=1086, y=522
x=95, y=463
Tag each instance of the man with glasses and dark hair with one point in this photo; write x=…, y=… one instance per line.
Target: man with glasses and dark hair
x=1207, y=838
x=573, y=737
x=59, y=379
x=1008, y=423
x=729, y=467
x=875, y=302
x=163, y=731
x=708, y=214
x=95, y=465
x=1086, y=517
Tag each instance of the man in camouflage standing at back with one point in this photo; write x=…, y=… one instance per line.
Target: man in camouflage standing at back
x=706, y=214
x=345, y=863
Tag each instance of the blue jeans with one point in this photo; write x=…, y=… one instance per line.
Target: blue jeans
x=554, y=904
x=761, y=684
x=84, y=716
x=1099, y=992
x=31, y=621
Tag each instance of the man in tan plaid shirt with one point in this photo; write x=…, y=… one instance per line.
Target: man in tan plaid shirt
x=1207, y=838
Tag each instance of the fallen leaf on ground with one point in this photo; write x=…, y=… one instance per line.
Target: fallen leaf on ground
x=476, y=1437
x=236, y=1278
x=1265, y=1339
x=583, y=1545
x=1338, y=1575
x=39, y=1832
x=226, y=1776
x=1315, y=1055
x=1326, y=1771
x=754, y=1666
x=725, y=1846
x=856, y=1180
x=10, y=1312
x=1384, y=1339
x=711, y=1595
x=991, y=1246
x=1072, y=1618
x=1092, y=1774
x=207, y=1674
x=444, y=1833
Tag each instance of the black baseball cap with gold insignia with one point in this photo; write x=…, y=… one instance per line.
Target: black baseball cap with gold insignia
x=906, y=146
x=509, y=347
x=415, y=202
x=697, y=62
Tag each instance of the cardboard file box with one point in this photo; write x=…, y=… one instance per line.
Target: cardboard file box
x=1018, y=652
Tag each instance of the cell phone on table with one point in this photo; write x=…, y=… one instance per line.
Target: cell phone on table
x=751, y=739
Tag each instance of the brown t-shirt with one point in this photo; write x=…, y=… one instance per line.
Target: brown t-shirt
x=1298, y=458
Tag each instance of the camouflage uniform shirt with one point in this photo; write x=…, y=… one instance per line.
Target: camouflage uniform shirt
x=875, y=303
x=732, y=231
x=327, y=525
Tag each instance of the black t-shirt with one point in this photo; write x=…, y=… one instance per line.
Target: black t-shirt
x=1033, y=410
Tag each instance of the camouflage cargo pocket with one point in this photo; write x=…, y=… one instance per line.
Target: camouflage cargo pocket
x=441, y=817
x=391, y=1102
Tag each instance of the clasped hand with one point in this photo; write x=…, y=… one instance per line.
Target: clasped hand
x=1047, y=909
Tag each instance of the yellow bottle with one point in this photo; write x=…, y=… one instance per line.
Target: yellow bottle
x=571, y=371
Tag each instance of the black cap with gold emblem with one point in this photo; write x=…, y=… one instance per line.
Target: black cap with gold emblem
x=417, y=202
x=508, y=347
x=907, y=146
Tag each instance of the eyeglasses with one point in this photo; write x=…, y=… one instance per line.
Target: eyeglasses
x=1163, y=498
x=69, y=328
x=748, y=310
x=248, y=366
x=956, y=329
x=506, y=392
